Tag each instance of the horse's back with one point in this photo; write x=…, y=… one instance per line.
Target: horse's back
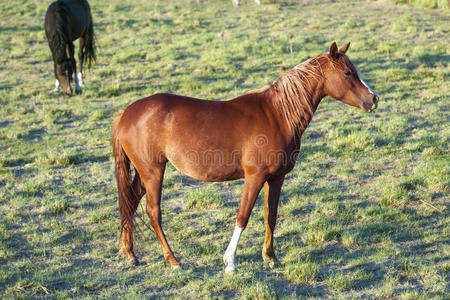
x=190, y=112
x=166, y=110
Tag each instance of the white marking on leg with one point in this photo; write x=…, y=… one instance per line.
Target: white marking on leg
x=229, y=256
x=57, y=86
x=80, y=79
x=368, y=87
x=77, y=85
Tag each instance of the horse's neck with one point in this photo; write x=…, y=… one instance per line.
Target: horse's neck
x=298, y=122
x=314, y=101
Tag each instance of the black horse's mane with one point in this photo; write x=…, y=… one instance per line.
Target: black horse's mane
x=59, y=35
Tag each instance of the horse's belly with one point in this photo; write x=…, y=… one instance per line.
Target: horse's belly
x=207, y=167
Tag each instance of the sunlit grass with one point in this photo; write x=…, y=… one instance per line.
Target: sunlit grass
x=364, y=214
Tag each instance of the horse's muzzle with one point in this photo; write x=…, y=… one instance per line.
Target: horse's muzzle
x=369, y=107
x=375, y=102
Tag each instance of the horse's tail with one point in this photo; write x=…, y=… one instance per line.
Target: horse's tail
x=128, y=199
x=90, y=49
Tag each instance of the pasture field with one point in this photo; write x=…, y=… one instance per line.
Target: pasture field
x=425, y=3
x=364, y=214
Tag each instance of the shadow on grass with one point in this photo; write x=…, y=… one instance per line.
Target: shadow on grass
x=15, y=29
x=85, y=158
x=33, y=134
x=16, y=162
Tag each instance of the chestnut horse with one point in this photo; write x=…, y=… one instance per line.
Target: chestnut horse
x=255, y=136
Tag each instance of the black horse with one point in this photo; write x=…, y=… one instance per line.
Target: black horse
x=66, y=21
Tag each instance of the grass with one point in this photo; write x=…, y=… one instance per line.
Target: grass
x=363, y=215
x=204, y=199
x=425, y=3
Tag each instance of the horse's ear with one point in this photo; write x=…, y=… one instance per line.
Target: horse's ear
x=345, y=48
x=333, y=50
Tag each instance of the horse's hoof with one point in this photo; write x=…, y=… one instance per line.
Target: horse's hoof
x=176, y=267
x=171, y=260
x=133, y=261
x=271, y=261
x=230, y=270
x=78, y=91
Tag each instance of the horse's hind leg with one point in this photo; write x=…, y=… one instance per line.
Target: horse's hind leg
x=81, y=53
x=153, y=184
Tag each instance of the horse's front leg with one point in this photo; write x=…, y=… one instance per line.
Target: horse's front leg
x=272, y=191
x=252, y=186
x=81, y=54
x=74, y=68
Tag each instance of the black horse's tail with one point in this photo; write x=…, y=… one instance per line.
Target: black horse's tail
x=90, y=55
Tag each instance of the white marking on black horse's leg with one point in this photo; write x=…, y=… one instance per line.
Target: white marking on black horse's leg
x=57, y=86
x=80, y=79
x=368, y=87
x=229, y=256
x=77, y=85
x=235, y=2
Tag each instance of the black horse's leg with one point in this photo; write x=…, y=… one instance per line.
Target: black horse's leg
x=74, y=67
x=81, y=53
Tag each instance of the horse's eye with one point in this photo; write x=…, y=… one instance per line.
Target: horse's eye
x=347, y=73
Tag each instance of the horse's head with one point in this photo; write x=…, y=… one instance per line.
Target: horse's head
x=344, y=83
x=63, y=72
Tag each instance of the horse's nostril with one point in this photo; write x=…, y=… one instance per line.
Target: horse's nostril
x=375, y=99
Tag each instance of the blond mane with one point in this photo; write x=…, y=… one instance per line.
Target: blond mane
x=292, y=92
